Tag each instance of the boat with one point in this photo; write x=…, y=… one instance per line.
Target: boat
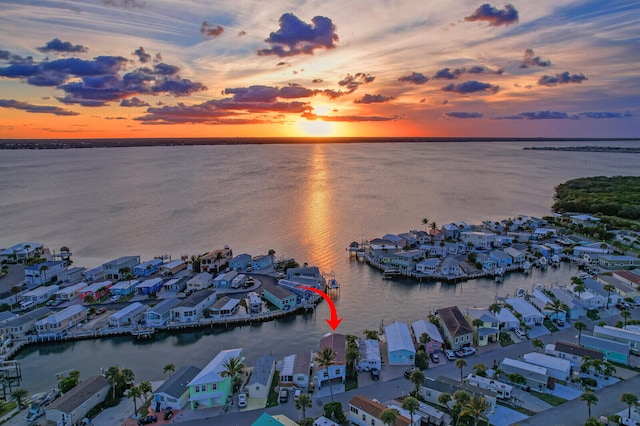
x=555, y=260
x=390, y=273
x=332, y=283
x=521, y=292
x=499, y=274
x=543, y=262
x=360, y=255
x=526, y=266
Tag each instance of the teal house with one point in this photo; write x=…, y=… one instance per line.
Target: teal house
x=210, y=388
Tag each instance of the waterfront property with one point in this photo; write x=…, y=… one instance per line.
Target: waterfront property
x=501, y=258
x=190, y=309
x=366, y=412
x=434, y=342
x=542, y=302
x=147, y=268
x=75, y=404
x=93, y=274
x=174, y=392
x=261, y=262
x=124, y=288
x=536, y=377
x=575, y=308
x=176, y=284
x=160, y=314
x=224, y=307
x=71, y=292
x=572, y=352
x=596, y=287
x=479, y=240
x=369, y=354
x=455, y=327
x=200, y=282
x=58, y=323
x=530, y=315
x=450, y=267
x=337, y=372
x=171, y=268
x=261, y=377
x=280, y=297
x=224, y=279
x=557, y=368
x=240, y=262
x=488, y=331
x=131, y=314
x=39, y=295
x=254, y=303
x=612, y=261
x=20, y=326
x=507, y=320
x=516, y=255
x=296, y=370
x=210, y=388
x=21, y=252
x=150, y=286
x=114, y=270
x=216, y=260
x=431, y=389
x=96, y=290
x=401, y=350
x=307, y=275
x=41, y=273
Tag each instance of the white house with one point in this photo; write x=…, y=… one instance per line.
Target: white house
x=261, y=378
x=296, y=370
x=201, y=281
x=40, y=294
x=536, y=377
x=71, y=292
x=75, y=404
x=369, y=354
x=174, y=392
x=367, y=412
x=556, y=367
x=254, y=302
x=223, y=280
x=129, y=315
x=160, y=314
x=401, y=350
x=507, y=320
x=41, y=273
x=190, y=309
x=480, y=240
x=450, y=266
x=428, y=266
x=58, y=323
x=530, y=315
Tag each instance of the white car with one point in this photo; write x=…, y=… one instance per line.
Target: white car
x=297, y=394
x=242, y=400
x=448, y=353
x=521, y=334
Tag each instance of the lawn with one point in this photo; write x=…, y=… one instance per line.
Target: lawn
x=272, y=399
x=505, y=339
x=550, y=326
x=518, y=409
x=6, y=407
x=548, y=398
x=593, y=314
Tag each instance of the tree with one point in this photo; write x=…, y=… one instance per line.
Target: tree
x=629, y=399
x=625, y=316
x=412, y=405
x=128, y=377
x=134, y=393
x=353, y=358
x=461, y=399
x=89, y=299
x=389, y=416
x=169, y=368
x=516, y=378
x=371, y=335
x=608, y=288
x=475, y=408
x=43, y=271
x=271, y=252
x=113, y=376
x=303, y=402
x=461, y=363
x=325, y=359
x=425, y=338
x=68, y=382
x=579, y=325
x=444, y=399
x=195, y=264
x=579, y=289
x=422, y=360
x=556, y=306
x=92, y=311
x=145, y=388
x=495, y=308
x=425, y=222
x=537, y=344
x=590, y=398
x=417, y=378
x=480, y=369
x=233, y=368
x=18, y=395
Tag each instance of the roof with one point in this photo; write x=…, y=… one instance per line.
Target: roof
x=42, y=290
x=62, y=315
x=571, y=348
x=605, y=344
x=445, y=384
x=121, y=261
x=375, y=409
x=499, y=254
x=513, y=252
x=482, y=314
x=521, y=365
x=165, y=306
x=399, y=337
x=177, y=384
x=618, y=333
x=628, y=275
x=151, y=262
x=173, y=264
x=97, y=286
x=261, y=374
x=79, y=395
x=454, y=321
x=34, y=315
x=211, y=372
x=153, y=282
x=338, y=343
x=276, y=420
x=506, y=316
x=134, y=308
x=196, y=298
x=277, y=291
x=547, y=361
x=298, y=363
x=225, y=304
x=369, y=349
x=619, y=285
x=124, y=285
x=72, y=288
x=49, y=264
x=524, y=308
x=424, y=326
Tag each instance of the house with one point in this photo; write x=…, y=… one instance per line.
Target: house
x=254, y=302
x=216, y=261
x=280, y=297
x=408, y=260
x=39, y=295
x=266, y=419
x=401, y=350
x=151, y=286
x=450, y=266
x=628, y=337
x=96, y=290
x=557, y=368
x=543, y=303
x=543, y=233
x=190, y=309
x=199, y=282
x=573, y=353
x=72, y=275
x=171, y=268
x=450, y=231
x=501, y=258
x=323, y=421
x=584, y=220
x=542, y=249
x=115, y=269
x=129, y=315
x=160, y=314
x=409, y=238
x=593, y=297
x=507, y=320
x=610, y=349
x=147, y=268
x=435, y=342
x=530, y=315
x=74, y=405
x=575, y=308
x=597, y=288
x=93, y=274
x=296, y=370
x=369, y=354
x=612, y=261
x=428, y=266
x=261, y=378
x=262, y=262
x=366, y=412
x=384, y=244
x=624, y=289
x=628, y=277
x=307, y=275
x=176, y=285
x=21, y=252
x=337, y=372
x=536, y=377
x=210, y=388
x=42, y=273
x=486, y=261
x=503, y=240
x=20, y=326
x=58, y=323
x=224, y=307
x=479, y=240
x=224, y=279
x=240, y=262
x=431, y=389
x=489, y=330
x=455, y=327
x=174, y=392
x=124, y=288
x=502, y=390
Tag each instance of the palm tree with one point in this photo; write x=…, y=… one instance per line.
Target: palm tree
x=444, y=399
x=608, y=369
x=18, y=395
x=537, y=344
x=433, y=225
x=325, y=359
x=134, y=393
x=579, y=325
x=43, y=271
x=128, y=377
x=590, y=398
x=579, y=289
x=516, y=378
x=425, y=338
x=608, y=288
x=497, y=373
x=556, y=306
x=629, y=399
x=233, y=368
x=412, y=405
x=145, y=388
x=169, y=368
x=475, y=408
x=495, y=308
x=113, y=376
x=353, y=358
x=461, y=398
x=425, y=222
x=417, y=378
x=389, y=416
x=461, y=363
x=625, y=316
x=303, y=402
x=480, y=369
x=371, y=334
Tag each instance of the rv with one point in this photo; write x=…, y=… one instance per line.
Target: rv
x=502, y=389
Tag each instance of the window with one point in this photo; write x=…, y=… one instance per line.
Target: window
x=354, y=410
x=364, y=417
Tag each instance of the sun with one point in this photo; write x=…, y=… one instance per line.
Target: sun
x=316, y=127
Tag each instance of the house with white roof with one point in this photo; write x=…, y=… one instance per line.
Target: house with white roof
x=190, y=309
x=369, y=354
x=40, y=294
x=93, y=274
x=160, y=314
x=295, y=370
x=176, y=285
x=20, y=326
x=530, y=315
x=401, y=350
x=431, y=389
x=367, y=412
x=450, y=266
x=41, y=273
x=261, y=378
x=543, y=303
x=210, y=388
x=536, y=377
x=129, y=315
x=337, y=372
x=507, y=320
x=556, y=367
x=597, y=288
x=435, y=339
x=199, y=282
x=488, y=331
x=150, y=286
x=169, y=269
x=147, y=268
x=224, y=279
x=428, y=266
x=174, y=392
x=480, y=240
x=407, y=260
x=224, y=307
x=58, y=323
x=76, y=404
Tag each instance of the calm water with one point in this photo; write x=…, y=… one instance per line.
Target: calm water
x=307, y=202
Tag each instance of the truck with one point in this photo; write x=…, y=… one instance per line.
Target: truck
x=502, y=390
x=39, y=402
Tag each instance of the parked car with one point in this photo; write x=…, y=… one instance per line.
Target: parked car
x=242, y=400
x=521, y=334
x=559, y=322
x=57, y=302
x=468, y=351
x=448, y=353
x=297, y=394
x=409, y=371
x=375, y=374
x=115, y=298
x=147, y=420
x=284, y=395
x=101, y=311
x=168, y=413
x=434, y=357
x=51, y=396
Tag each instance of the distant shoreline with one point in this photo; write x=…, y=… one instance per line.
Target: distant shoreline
x=144, y=142
x=617, y=149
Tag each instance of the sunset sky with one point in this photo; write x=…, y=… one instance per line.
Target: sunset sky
x=245, y=68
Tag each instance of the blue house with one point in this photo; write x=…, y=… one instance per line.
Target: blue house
x=544, y=250
x=612, y=350
x=151, y=286
x=502, y=259
x=147, y=268
x=399, y=344
x=487, y=261
x=240, y=262
x=261, y=262
x=124, y=288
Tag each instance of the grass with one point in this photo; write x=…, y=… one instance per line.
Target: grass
x=7, y=407
x=548, y=398
x=505, y=339
x=518, y=409
x=272, y=399
x=351, y=384
x=593, y=314
x=550, y=326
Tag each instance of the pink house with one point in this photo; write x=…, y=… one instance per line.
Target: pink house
x=97, y=290
x=435, y=342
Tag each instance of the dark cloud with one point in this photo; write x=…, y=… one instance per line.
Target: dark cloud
x=57, y=45
x=317, y=80
x=471, y=86
x=605, y=114
x=13, y=59
x=242, y=33
x=39, y=109
x=210, y=30
x=115, y=118
x=133, y=102
x=333, y=94
x=373, y=99
x=142, y=55
x=127, y=4
x=447, y=74
x=463, y=114
x=477, y=69
x=494, y=16
x=562, y=78
x=269, y=93
x=540, y=115
x=347, y=118
x=295, y=37
x=281, y=64
x=415, y=78
x=531, y=60
x=352, y=82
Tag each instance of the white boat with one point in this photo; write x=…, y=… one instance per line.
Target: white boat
x=526, y=266
x=333, y=283
x=521, y=292
x=543, y=262
x=499, y=271
x=390, y=273
x=555, y=260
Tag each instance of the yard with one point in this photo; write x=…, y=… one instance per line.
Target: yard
x=548, y=398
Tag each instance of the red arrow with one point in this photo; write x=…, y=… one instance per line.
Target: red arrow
x=334, y=322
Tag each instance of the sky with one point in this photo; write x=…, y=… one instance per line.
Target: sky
x=335, y=68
